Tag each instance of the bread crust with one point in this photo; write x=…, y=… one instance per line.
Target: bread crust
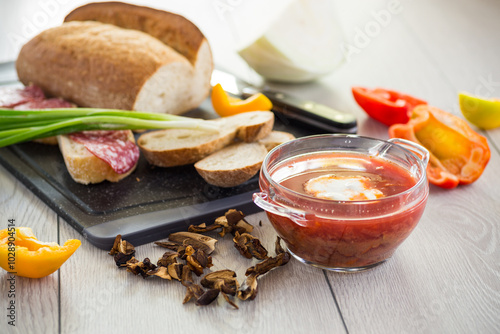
x=172, y=29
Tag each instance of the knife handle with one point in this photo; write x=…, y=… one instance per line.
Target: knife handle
x=311, y=113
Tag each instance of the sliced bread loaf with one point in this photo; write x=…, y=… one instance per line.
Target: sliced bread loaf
x=232, y=165
x=120, y=56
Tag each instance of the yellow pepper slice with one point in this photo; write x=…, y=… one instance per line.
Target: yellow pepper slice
x=226, y=105
x=23, y=254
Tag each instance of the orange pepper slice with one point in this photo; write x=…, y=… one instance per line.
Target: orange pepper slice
x=23, y=254
x=458, y=155
x=226, y=105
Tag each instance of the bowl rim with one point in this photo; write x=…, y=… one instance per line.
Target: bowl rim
x=276, y=185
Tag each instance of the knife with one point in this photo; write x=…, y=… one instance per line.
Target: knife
x=291, y=108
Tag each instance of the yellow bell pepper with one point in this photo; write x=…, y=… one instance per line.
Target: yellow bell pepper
x=226, y=105
x=23, y=254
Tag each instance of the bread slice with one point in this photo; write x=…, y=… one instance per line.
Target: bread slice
x=276, y=138
x=120, y=62
x=232, y=165
x=83, y=166
x=177, y=147
x=251, y=126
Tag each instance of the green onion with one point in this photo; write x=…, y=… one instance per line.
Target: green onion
x=23, y=125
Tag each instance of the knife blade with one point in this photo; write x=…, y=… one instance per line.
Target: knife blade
x=292, y=108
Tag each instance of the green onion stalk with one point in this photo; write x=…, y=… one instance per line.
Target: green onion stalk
x=18, y=126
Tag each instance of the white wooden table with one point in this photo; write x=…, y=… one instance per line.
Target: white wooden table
x=445, y=278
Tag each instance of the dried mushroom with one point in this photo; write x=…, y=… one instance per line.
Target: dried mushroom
x=192, y=262
x=233, y=216
x=202, y=228
x=169, y=245
x=270, y=263
x=197, y=241
x=206, y=297
x=233, y=221
x=121, y=259
x=249, y=246
x=224, y=280
x=167, y=258
x=122, y=246
x=122, y=250
x=141, y=268
x=282, y=257
x=175, y=270
x=161, y=272
x=186, y=276
x=242, y=226
x=194, y=291
x=249, y=288
x=189, y=252
x=203, y=259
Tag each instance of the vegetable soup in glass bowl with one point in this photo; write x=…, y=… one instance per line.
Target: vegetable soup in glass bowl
x=344, y=202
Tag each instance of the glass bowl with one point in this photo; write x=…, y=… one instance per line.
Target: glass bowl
x=346, y=224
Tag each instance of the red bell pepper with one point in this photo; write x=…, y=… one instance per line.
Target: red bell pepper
x=457, y=154
x=386, y=106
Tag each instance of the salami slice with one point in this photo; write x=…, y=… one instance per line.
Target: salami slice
x=44, y=104
x=11, y=97
x=113, y=147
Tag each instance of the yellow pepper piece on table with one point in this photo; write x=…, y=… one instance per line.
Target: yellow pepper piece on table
x=22, y=253
x=483, y=113
x=458, y=155
x=226, y=105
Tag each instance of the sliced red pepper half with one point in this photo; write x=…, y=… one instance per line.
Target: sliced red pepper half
x=458, y=155
x=386, y=106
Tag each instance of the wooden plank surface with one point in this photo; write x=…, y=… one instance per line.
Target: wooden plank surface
x=36, y=301
x=294, y=296
x=444, y=279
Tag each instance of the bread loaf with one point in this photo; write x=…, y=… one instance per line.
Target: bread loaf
x=120, y=56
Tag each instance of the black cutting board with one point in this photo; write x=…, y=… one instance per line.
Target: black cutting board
x=146, y=206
